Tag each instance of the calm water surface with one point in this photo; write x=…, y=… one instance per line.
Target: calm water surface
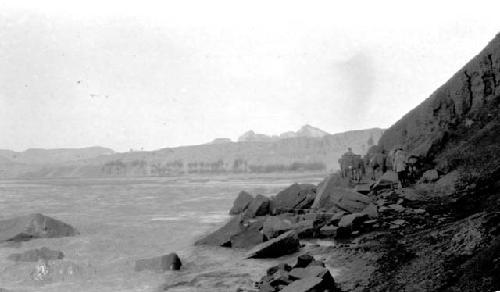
x=121, y=220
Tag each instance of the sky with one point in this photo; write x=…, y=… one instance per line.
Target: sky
x=154, y=74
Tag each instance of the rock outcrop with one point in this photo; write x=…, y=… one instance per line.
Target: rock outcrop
x=34, y=226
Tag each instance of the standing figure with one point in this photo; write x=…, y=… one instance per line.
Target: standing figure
x=399, y=166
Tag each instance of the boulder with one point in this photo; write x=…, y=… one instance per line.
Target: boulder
x=328, y=231
x=397, y=207
x=258, y=207
x=334, y=220
x=159, y=264
x=341, y=199
x=286, y=243
x=295, y=197
x=352, y=220
x=362, y=189
x=387, y=180
x=241, y=203
x=431, y=175
x=222, y=236
x=306, y=272
x=238, y=233
x=309, y=284
x=305, y=228
x=274, y=226
x=35, y=255
x=249, y=236
x=371, y=210
x=34, y=226
x=304, y=260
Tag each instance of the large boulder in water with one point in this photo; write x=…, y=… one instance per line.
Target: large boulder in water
x=274, y=226
x=249, y=236
x=34, y=255
x=295, y=197
x=241, y=203
x=284, y=244
x=258, y=207
x=222, y=236
x=330, y=197
x=237, y=232
x=34, y=226
x=159, y=264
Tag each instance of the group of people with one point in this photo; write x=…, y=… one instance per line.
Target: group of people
x=376, y=163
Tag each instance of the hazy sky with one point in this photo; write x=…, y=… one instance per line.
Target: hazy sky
x=153, y=74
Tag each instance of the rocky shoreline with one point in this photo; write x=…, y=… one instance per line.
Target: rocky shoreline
x=383, y=239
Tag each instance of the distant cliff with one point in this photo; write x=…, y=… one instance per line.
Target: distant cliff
x=307, y=151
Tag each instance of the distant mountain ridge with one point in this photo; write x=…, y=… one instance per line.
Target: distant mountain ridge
x=310, y=149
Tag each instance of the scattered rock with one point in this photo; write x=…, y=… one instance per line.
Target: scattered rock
x=308, y=275
x=352, y=220
x=419, y=211
x=323, y=282
x=328, y=231
x=431, y=175
x=286, y=243
x=35, y=255
x=34, y=226
x=295, y=197
x=371, y=210
x=159, y=264
x=241, y=203
x=397, y=207
x=258, y=207
x=399, y=222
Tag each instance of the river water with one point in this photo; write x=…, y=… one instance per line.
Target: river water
x=122, y=220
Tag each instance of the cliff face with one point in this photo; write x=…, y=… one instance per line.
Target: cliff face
x=453, y=121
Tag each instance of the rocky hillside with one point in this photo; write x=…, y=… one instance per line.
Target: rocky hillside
x=457, y=131
x=460, y=120
x=303, y=153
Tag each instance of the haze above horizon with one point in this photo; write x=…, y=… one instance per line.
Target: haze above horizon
x=151, y=74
